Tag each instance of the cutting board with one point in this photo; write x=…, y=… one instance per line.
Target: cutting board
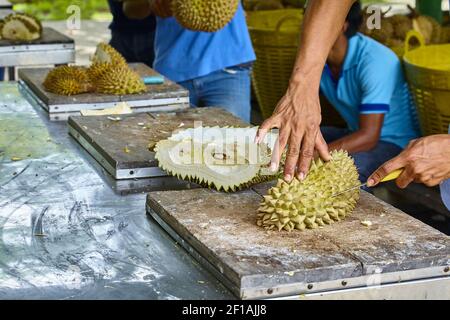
x=122, y=147
x=168, y=95
x=220, y=231
x=49, y=36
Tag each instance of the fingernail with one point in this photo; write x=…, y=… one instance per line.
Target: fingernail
x=288, y=178
x=370, y=182
x=273, y=167
x=301, y=176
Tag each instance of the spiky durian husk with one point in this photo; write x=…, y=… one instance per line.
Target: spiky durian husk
x=107, y=54
x=204, y=15
x=119, y=80
x=67, y=80
x=20, y=27
x=401, y=24
x=96, y=70
x=67, y=86
x=384, y=33
x=225, y=165
x=309, y=204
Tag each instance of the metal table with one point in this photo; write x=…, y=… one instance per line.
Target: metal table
x=64, y=234
x=5, y=4
x=53, y=48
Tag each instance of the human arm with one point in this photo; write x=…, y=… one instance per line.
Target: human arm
x=365, y=138
x=425, y=160
x=298, y=113
x=161, y=8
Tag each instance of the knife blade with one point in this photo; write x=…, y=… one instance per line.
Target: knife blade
x=391, y=176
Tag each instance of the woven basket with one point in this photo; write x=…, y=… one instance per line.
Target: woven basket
x=427, y=69
x=275, y=35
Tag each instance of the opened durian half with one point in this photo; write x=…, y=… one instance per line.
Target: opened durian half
x=204, y=15
x=310, y=203
x=222, y=158
x=20, y=27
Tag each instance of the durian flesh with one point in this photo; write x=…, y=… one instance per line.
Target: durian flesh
x=20, y=27
x=204, y=15
x=310, y=203
x=222, y=158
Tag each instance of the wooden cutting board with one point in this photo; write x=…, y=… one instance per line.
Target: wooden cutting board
x=122, y=147
x=220, y=231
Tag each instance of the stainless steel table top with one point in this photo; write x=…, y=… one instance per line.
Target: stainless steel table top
x=64, y=234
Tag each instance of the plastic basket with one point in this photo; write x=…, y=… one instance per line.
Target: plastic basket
x=427, y=70
x=275, y=35
x=412, y=36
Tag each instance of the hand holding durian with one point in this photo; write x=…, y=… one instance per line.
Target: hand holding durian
x=196, y=15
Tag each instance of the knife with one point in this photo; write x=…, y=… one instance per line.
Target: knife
x=391, y=176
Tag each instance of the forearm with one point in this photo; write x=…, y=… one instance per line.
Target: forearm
x=358, y=141
x=317, y=37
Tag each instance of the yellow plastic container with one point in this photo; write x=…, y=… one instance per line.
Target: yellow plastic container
x=427, y=70
x=275, y=35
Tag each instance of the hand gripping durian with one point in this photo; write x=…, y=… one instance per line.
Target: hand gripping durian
x=204, y=15
x=221, y=158
x=311, y=203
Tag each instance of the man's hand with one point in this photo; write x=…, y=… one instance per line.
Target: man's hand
x=298, y=117
x=298, y=113
x=426, y=160
x=161, y=8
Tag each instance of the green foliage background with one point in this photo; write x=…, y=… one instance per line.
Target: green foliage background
x=56, y=9
x=90, y=9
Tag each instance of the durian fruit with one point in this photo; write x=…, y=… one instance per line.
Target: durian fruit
x=385, y=32
x=119, y=80
x=104, y=53
x=20, y=27
x=67, y=80
x=204, y=15
x=105, y=58
x=136, y=9
x=401, y=24
x=309, y=203
x=221, y=158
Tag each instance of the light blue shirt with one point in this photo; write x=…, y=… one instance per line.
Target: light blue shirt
x=445, y=188
x=181, y=54
x=372, y=81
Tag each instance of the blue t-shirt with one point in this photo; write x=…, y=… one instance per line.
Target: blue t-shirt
x=372, y=81
x=183, y=55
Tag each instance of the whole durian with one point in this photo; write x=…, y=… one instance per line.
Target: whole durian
x=119, y=80
x=204, y=15
x=67, y=80
x=104, y=53
x=401, y=24
x=20, y=27
x=385, y=32
x=221, y=158
x=309, y=203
